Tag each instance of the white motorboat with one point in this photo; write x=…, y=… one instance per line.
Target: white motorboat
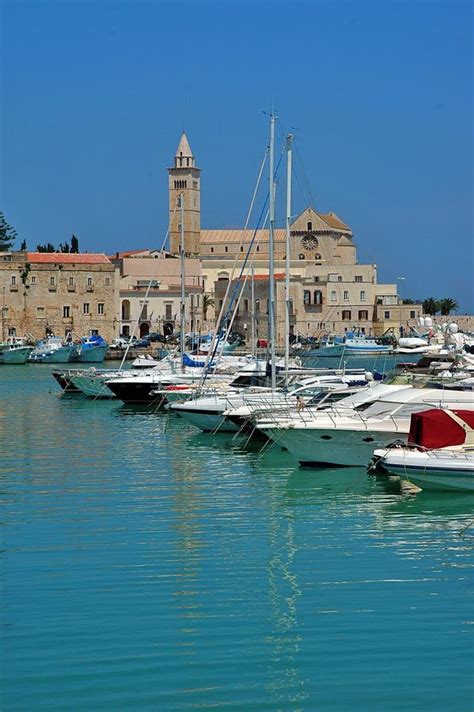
x=347, y=433
x=439, y=453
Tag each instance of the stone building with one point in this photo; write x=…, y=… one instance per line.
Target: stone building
x=150, y=293
x=56, y=293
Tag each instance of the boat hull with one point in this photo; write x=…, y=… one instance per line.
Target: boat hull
x=443, y=471
x=61, y=355
x=92, y=354
x=330, y=446
x=15, y=356
x=206, y=420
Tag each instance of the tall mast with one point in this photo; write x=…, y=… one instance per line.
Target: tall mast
x=271, y=267
x=252, y=313
x=289, y=139
x=183, y=277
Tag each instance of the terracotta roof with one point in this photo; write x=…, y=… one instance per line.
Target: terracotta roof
x=333, y=221
x=69, y=258
x=238, y=235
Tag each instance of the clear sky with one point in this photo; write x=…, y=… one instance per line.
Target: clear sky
x=95, y=95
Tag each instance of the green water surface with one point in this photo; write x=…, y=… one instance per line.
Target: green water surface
x=146, y=566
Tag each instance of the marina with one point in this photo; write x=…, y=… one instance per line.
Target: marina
x=171, y=568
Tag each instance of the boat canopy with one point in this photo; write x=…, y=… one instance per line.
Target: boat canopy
x=437, y=428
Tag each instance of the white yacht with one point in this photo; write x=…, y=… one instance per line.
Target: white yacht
x=348, y=432
x=439, y=453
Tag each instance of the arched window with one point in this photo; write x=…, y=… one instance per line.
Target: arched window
x=318, y=297
x=301, y=256
x=126, y=310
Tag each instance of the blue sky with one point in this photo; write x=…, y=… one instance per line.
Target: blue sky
x=95, y=94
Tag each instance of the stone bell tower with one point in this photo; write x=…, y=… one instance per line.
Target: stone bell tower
x=185, y=180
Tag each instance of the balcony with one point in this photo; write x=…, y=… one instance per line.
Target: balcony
x=13, y=287
x=90, y=288
x=71, y=287
x=52, y=288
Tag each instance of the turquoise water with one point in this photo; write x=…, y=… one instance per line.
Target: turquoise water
x=145, y=566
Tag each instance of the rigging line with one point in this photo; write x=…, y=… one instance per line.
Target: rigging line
x=135, y=327
x=305, y=189
x=244, y=265
x=304, y=174
x=234, y=266
x=223, y=317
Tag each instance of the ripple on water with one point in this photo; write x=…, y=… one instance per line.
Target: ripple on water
x=147, y=566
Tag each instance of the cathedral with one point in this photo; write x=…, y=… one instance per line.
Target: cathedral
x=330, y=291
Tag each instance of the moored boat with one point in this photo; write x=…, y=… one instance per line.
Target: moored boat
x=14, y=351
x=439, y=453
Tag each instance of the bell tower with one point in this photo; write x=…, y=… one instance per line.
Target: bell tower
x=184, y=179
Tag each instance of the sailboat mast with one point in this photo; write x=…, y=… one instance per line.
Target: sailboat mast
x=183, y=278
x=271, y=267
x=252, y=306
x=289, y=140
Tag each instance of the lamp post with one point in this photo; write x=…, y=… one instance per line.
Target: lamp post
x=400, y=328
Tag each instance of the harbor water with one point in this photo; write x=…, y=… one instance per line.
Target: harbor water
x=147, y=566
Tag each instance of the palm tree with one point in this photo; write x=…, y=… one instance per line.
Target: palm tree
x=207, y=301
x=430, y=306
x=447, y=305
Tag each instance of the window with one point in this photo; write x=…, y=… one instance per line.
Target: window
x=258, y=248
x=346, y=315
x=413, y=315
x=306, y=297
x=318, y=297
x=316, y=279
x=363, y=314
x=107, y=281
x=5, y=312
x=386, y=314
x=358, y=278
x=257, y=305
x=333, y=297
x=168, y=311
x=71, y=281
x=33, y=279
x=226, y=249
x=52, y=281
x=339, y=278
x=362, y=296
x=86, y=308
x=66, y=312
x=13, y=280
x=246, y=305
x=89, y=281
x=40, y=312
x=212, y=249
x=310, y=226
x=301, y=256
x=317, y=256
x=101, y=308
x=346, y=296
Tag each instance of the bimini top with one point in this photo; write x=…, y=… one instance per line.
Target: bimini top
x=437, y=428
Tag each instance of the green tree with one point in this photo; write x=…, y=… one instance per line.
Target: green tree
x=64, y=248
x=430, y=306
x=74, y=244
x=8, y=234
x=207, y=301
x=408, y=301
x=23, y=246
x=48, y=247
x=447, y=305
